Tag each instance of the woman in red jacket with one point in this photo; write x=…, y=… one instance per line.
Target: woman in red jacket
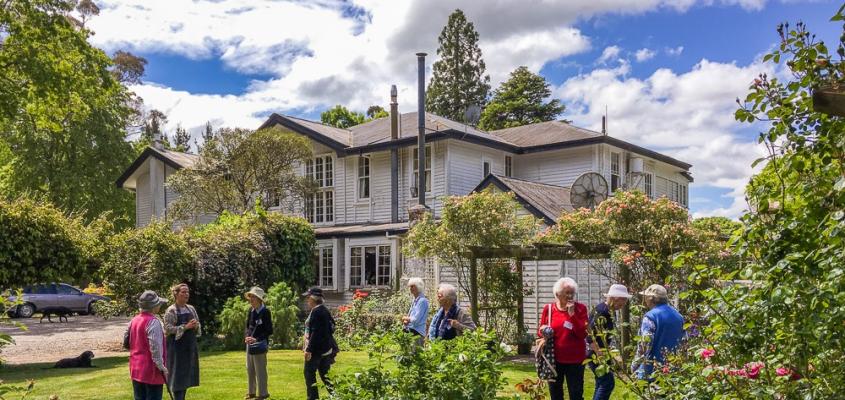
x=568, y=321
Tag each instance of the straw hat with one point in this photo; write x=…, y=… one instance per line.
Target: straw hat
x=255, y=291
x=619, y=291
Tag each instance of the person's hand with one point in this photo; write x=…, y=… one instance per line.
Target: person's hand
x=454, y=323
x=570, y=307
x=307, y=356
x=406, y=320
x=541, y=342
x=192, y=324
x=164, y=371
x=249, y=340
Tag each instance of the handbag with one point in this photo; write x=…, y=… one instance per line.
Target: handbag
x=545, y=355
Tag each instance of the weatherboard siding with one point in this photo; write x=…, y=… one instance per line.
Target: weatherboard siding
x=560, y=167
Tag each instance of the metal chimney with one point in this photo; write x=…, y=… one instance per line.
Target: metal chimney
x=157, y=141
x=394, y=156
x=421, y=123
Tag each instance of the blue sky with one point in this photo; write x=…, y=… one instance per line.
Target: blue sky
x=667, y=70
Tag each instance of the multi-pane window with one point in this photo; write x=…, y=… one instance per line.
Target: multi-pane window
x=319, y=206
x=508, y=166
x=486, y=168
x=615, y=177
x=684, y=195
x=648, y=185
x=274, y=198
x=363, y=177
x=369, y=266
x=325, y=266
x=416, y=164
x=675, y=191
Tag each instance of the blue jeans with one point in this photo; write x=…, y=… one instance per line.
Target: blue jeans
x=144, y=391
x=604, y=384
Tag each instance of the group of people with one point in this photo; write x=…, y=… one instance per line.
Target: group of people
x=165, y=354
x=575, y=336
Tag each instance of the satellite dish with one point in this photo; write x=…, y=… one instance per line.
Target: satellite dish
x=472, y=114
x=588, y=191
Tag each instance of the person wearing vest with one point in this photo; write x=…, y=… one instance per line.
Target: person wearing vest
x=259, y=327
x=601, y=337
x=661, y=330
x=146, y=349
x=451, y=320
x=415, y=321
x=320, y=345
x=567, y=320
x=181, y=328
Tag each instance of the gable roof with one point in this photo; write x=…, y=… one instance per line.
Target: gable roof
x=174, y=159
x=547, y=202
x=375, y=135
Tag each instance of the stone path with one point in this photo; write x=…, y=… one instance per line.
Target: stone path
x=46, y=342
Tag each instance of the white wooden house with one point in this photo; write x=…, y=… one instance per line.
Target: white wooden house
x=359, y=231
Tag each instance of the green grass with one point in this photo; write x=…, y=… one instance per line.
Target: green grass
x=222, y=377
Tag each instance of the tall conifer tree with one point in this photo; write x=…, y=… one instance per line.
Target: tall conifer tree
x=458, y=81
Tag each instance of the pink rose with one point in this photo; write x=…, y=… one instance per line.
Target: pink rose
x=781, y=371
x=707, y=353
x=753, y=369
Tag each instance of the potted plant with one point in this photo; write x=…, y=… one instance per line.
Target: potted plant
x=524, y=343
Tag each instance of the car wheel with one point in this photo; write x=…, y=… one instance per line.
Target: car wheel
x=90, y=309
x=26, y=310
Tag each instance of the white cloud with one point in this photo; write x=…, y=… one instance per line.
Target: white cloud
x=688, y=116
x=610, y=53
x=675, y=51
x=644, y=55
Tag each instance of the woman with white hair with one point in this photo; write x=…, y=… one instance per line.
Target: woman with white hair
x=450, y=320
x=565, y=322
x=415, y=321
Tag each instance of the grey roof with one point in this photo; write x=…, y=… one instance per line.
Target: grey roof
x=544, y=133
x=185, y=160
x=378, y=131
x=360, y=229
x=337, y=134
x=174, y=159
x=545, y=201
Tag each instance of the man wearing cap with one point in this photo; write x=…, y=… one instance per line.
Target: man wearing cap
x=320, y=345
x=601, y=331
x=146, y=349
x=259, y=327
x=662, y=330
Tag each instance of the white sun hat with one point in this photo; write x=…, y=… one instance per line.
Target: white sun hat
x=618, y=290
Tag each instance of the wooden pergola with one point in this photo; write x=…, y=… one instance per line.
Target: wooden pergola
x=534, y=252
x=830, y=100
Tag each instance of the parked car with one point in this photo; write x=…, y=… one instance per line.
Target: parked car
x=54, y=295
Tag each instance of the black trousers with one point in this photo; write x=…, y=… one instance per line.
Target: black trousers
x=574, y=376
x=321, y=364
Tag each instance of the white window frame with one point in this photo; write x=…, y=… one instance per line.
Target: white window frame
x=486, y=165
x=323, y=199
x=379, y=246
x=429, y=168
x=648, y=185
x=321, y=267
x=617, y=173
x=360, y=177
x=684, y=195
x=509, y=166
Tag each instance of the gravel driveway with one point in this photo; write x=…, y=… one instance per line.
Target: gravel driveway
x=46, y=342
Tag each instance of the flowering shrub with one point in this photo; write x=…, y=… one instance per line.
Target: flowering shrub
x=468, y=367
x=368, y=316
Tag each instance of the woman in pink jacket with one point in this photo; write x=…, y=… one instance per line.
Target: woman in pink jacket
x=146, y=349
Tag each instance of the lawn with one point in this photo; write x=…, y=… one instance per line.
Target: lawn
x=223, y=377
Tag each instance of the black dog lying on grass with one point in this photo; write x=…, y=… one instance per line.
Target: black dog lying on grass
x=61, y=312
x=81, y=361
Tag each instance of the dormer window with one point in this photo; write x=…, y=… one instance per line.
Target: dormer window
x=319, y=206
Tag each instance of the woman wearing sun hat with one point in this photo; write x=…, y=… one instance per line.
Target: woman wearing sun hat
x=601, y=335
x=259, y=327
x=146, y=349
x=320, y=345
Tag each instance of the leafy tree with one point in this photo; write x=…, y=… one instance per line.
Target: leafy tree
x=458, y=81
x=781, y=335
x=239, y=167
x=520, y=101
x=340, y=117
x=207, y=134
x=376, y=112
x=181, y=139
x=483, y=219
x=153, y=126
x=127, y=67
x=62, y=114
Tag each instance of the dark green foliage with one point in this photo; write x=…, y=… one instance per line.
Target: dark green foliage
x=153, y=257
x=291, y=243
x=466, y=368
x=458, y=80
x=38, y=243
x=520, y=101
x=232, y=322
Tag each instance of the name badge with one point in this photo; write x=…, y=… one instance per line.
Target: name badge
x=567, y=325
